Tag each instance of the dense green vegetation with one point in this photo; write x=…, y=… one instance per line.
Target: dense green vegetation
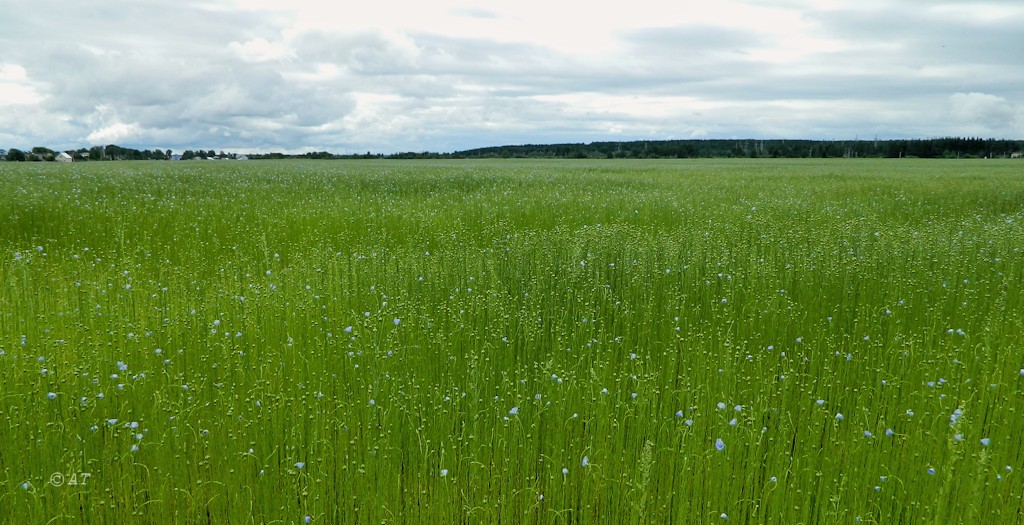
x=803, y=341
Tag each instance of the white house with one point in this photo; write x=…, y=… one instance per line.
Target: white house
x=1015, y=155
x=64, y=157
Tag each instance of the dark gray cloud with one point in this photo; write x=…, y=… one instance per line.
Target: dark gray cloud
x=917, y=38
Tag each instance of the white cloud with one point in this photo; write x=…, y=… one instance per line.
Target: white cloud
x=15, y=86
x=260, y=50
x=984, y=114
x=115, y=133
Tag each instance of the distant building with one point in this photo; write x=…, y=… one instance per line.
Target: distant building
x=242, y=157
x=175, y=157
x=64, y=157
x=1015, y=155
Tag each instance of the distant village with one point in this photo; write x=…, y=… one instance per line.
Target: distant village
x=111, y=152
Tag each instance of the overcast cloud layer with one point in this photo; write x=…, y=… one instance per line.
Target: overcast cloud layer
x=386, y=76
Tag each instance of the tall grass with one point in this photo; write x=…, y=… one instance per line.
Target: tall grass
x=519, y=342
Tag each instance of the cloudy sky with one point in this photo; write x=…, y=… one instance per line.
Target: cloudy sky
x=444, y=75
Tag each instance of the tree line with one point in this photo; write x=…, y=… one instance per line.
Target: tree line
x=947, y=147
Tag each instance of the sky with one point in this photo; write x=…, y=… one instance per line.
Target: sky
x=446, y=75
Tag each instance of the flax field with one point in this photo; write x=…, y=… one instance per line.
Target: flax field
x=512, y=341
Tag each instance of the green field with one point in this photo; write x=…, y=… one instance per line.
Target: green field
x=798, y=341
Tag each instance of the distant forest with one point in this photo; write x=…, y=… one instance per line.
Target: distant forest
x=948, y=148
x=951, y=148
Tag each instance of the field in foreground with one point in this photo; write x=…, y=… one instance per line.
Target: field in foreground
x=517, y=342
